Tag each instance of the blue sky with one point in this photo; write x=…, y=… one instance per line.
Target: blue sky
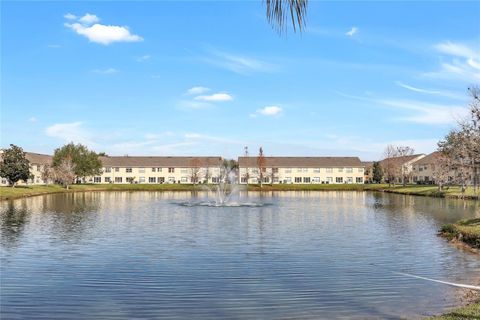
x=208, y=78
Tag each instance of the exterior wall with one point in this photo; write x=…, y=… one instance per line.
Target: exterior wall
x=294, y=175
x=155, y=175
x=35, y=170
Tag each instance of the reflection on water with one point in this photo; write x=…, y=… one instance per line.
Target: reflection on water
x=310, y=255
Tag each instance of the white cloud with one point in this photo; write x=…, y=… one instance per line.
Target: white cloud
x=189, y=104
x=427, y=113
x=432, y=92
x=143, y=58
x=32, y=119
x=89, y=19
x=268, y=111
x=70, y=132
x=216, y=97
x=89, y=27
x=237, y=63
x=352, y=32
x=464, y=63
x=70, y=16
x=105, y=71
x=197, y=90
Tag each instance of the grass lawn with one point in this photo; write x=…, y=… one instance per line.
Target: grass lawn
x=471, y=311
x=432, y=191
x=467, y=231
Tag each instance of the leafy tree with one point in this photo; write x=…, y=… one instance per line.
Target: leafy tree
x=278, y=12
x=14, y=165
x=84, y=162
x=377, y=172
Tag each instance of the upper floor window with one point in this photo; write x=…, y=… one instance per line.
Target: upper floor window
x=108, y=169
x=349, y=170
x=329, y=170
x=340, y=169
x=128, y=169
x=316, y=170
x=141, y=170
x=117, y=169
x=171, y=170
x=275, y=170
x=154, y=169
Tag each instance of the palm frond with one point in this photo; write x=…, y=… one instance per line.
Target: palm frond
x=279, y=10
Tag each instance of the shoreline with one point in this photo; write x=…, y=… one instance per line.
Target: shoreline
x=8, y=193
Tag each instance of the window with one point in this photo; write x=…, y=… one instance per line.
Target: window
x=141, y=179
x=118, y=179
x=306, y=179
x=159, y=169
x=287, y=180
x=349, y=170
x=4, y=181
x=275, y=179
x=184, y=180
x=316, y=170
x=339, y=180
x=154, y=169
x=298, y=179
x=108, y=169
x=97, y=179
x=288, y=170
x=349, y=180
x=305, y=169
x=360, y=170
x=184, y=171
x=152, y=179
x=171, y=170
x=128, y=169
x=275, y=170
x=316, y=179
x=266, y=180
x=141, y=170
x=340, y=169
x=214, y=180
x=359, y=180
x=161, y=180
x=420, y=169
x=171, y=179
x=117, y=169
x=299, y=169
x=129, y=179
x=329, y=170
x=244, y=180
x=108, y=180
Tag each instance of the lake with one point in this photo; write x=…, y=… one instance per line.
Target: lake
x=297, y=255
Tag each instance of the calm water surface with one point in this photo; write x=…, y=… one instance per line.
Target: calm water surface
x=307, y=255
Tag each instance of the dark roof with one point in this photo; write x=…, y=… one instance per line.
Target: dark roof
x=429, y=159
x=127, y=161
x=38, y=158
x=367, y=164
x=303, y=162
x=400, y=160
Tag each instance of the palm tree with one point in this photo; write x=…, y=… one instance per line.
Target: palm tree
x=279, y=10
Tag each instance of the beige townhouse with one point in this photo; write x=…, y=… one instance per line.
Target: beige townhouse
x=127, y=169
x=37, y=163
x=301, y=170
x=401, y=167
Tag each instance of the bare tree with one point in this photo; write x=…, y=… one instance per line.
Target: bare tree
x=261, y=161
x=402, y=169
x=47, y=173
x=441, y=170
x=65, y=172
x=389, y=164
x=195, y=167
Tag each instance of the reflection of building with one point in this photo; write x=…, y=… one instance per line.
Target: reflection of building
x=37, y=162
x=301, y=170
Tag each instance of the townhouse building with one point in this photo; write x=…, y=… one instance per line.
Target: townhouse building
x=127, y=169
x=301, y=170
x=402, y=166
x=37, y=163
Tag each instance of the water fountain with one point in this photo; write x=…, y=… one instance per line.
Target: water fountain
x=226, y=193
